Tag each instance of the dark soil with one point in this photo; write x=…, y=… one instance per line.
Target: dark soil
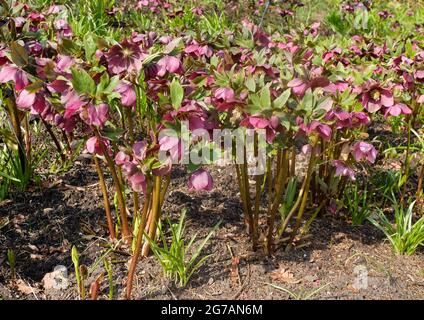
x=45, y=222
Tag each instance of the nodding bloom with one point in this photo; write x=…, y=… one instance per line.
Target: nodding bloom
x=12, y=73
x=224, y=98
x=93, y=145
x=140, y=150
x=299, y=86
x=169, y=64
x=374, y=96
x=198, y=50
x=343, y=170
x=323, y=130
x=172, y=145
x=329, y=55
x=385, y=14
x=197, y=11
x=346, y=119
x=138, y=182
x=132, y=173
x=258, y=122
x=72, y=102
x=363, y=150
x=192, y=112
x=396, y=110
x=125, y=57
x=63, y=28
x=200, y=180
x=121, y=158
x=95, y=115
x=335, y=87
x=127, y=92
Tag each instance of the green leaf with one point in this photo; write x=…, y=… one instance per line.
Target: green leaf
x=82, y=82
x=18, y=54
x=177, y=93
x=251, y=84
x=282, y=99
x=265, y=98
x=74, y=256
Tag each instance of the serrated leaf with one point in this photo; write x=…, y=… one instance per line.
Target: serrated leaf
x=265, y=98
x=82, y=82
x=251, y=84
x=282, y=99
x=18, y=54
x=177, y=93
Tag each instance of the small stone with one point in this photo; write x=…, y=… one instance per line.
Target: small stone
x=56, y=280
x=47, y=210
x=211, y=281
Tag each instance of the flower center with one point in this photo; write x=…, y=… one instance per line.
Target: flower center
x=127, y=52
x=375, y=94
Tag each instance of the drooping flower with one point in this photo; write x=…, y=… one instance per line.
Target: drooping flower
x=396, y=110
x=121, y=158
x=169, y=64
x=323, y=130
x=172, y=145
x=224, y=98
x=10, y=72
x=72, y=102
x=140, y=150
x=200, y=180
x=198, y=50
x=25, y=99
x=95, y=115
x=127, y=92
x=315, y=80
x=343, y=170
x=363, y=150
x=93, y=145
x=125, y=57
x=138, y=182
x=258, y=122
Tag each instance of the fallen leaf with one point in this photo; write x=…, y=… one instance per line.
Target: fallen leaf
x=24, y=288
x=283, y=274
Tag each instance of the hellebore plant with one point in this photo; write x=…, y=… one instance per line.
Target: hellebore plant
x=297, y=104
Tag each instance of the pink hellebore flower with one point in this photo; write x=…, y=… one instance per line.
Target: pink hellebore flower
x=343, y=170
x=127, y=92
x=374, y=97
x=299, y=86
x=12, y=73
x=93, y=145
x=140, y=150
x=121, y=158
x=72, y=102
x=198, y=50
x=25, y=99
x=224, y=98
x=260, y=123
x=168, y=64
x=125, y=57
x=363, y=150
x=138, y=182
x=323, y=130
x=200, y=180
x=96, y=115
x=172, y=145
x=397, y=110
